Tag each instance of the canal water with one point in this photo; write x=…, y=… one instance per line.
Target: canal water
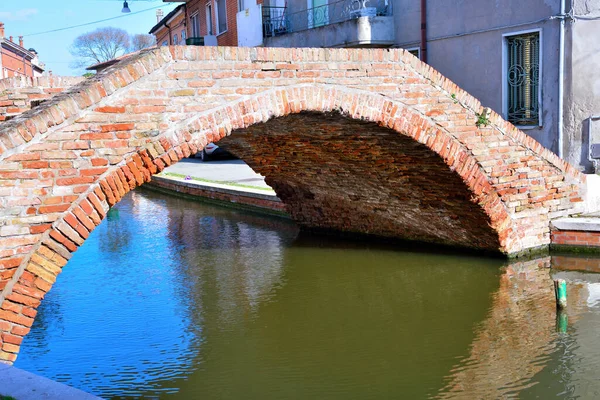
x=170, y=298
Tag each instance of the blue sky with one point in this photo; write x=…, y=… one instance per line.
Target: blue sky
x=28, y=17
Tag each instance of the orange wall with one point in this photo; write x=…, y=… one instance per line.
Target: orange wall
x=229, y=37
x=177, y=26
x=13, y=65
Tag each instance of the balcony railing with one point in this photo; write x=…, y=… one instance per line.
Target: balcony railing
x=279, y=21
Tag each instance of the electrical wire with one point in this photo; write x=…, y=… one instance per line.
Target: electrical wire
x=93, y=22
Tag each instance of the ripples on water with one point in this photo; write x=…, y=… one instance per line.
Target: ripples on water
x=175, y=299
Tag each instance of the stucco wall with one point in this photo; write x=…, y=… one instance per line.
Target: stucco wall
x=359, y=32
x=474, y=60
x=582, y=83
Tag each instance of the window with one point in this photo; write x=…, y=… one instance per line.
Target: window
x=221, y=11
x=165, y=43
x=183, y=37
x=209, y=28
x=522, y=79
x=195, y=22
x=175, y=40
x=415, y=51
x=241, y=5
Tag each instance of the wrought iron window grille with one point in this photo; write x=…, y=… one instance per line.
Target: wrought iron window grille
x=523, y=73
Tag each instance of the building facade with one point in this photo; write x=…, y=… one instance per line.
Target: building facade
x=16, y=60
x=171, y=30
x=212, y=21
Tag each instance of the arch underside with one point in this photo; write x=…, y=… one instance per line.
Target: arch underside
x=340, y=174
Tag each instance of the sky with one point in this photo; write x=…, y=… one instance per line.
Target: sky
x=31, y=18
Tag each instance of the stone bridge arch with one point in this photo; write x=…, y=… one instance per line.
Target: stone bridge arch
x=64, y=164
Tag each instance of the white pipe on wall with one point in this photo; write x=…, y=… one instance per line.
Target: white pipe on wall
x=591, y=120
x=561, y=78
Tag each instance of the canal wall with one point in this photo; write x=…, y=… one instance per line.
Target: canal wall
x=245, y=198
x=578, y=235
x=23, y=385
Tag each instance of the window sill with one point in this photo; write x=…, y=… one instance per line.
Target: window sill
x=220, y=33
x=528, y=127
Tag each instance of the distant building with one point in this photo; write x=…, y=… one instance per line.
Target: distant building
x=171, y=30
x=202, y=22
x=16, y=60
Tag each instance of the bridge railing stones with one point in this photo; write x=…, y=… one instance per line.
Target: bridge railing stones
x=18, y=93
x=66, y=162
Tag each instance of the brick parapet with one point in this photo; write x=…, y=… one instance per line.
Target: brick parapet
x=18, y=93
x=65, y=163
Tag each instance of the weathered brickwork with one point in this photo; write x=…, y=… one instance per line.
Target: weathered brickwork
x=65, y=163
x=576, y=238
x=341, y=174
x=18, y=93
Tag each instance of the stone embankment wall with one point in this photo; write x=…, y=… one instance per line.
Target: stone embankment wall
x=18, y=93
x=245, y=198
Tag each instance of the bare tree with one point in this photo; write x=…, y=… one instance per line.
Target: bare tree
x=98, y=46
x=140, y=41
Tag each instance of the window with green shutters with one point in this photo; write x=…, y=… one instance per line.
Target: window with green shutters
x=523, y=79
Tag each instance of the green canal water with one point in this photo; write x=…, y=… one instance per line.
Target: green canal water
x=170, y=298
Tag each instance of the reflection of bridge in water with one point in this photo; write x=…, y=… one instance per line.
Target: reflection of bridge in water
x=228, y=294
x=524, y=335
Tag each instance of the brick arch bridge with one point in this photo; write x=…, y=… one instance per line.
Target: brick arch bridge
x=367, y=141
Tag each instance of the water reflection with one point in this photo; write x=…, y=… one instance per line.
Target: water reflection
x=171, y=298
x=525, y=348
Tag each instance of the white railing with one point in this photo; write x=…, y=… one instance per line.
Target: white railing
x=279, y=21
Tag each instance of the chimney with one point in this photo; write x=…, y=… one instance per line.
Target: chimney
x=10, y=38
x=21, y=41
x=1, y=30
x=159, y=15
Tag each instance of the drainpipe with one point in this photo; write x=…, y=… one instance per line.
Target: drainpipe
x=561, y=78
x=592, y=153
x=185, y=21
x=424, y=30
x=170, y=36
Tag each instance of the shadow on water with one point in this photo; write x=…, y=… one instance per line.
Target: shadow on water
x=176, y=299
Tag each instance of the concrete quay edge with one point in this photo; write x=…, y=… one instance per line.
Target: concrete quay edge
x=222, y=188
x=585, y=224
x=23, y=385
x=241, y=198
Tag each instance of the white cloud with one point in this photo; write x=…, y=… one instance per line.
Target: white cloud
x=19, y=15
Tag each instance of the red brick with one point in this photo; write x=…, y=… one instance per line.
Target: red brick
x=117, y=127
x=16, y=318
x=109, y=109
x=92, y=171
x=39, y=228
x=60, y=238
x=53, y=209
x=35, y=164
x=96, y=136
